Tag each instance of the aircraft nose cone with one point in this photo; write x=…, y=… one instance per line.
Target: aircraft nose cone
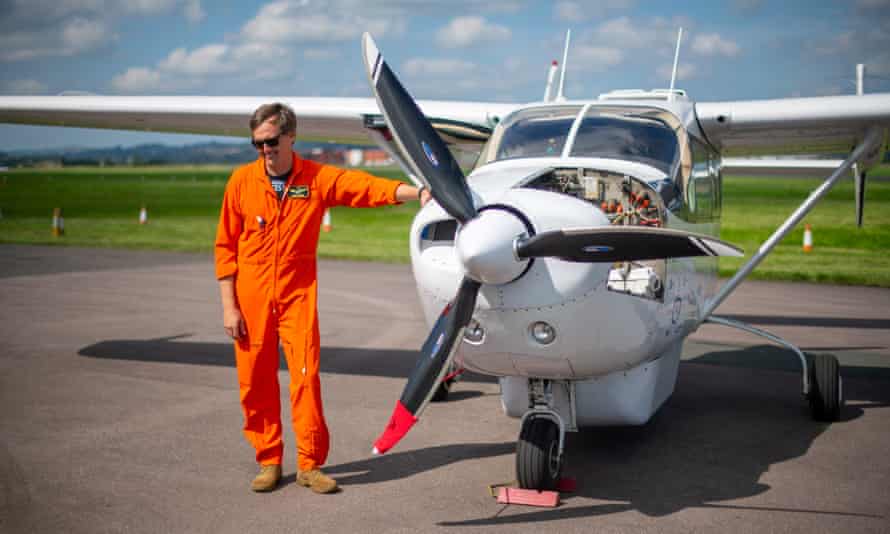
x=485, y=247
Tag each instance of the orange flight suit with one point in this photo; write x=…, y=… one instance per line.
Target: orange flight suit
x=270, y=247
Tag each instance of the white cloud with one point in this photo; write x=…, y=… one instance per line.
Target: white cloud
x=207, y=60
x=595, y=58
x=685, y=71
x=712, y=44
x=144, y=7
x=437, y=67
x=23, y=87
x=569, y=11
x=320, y=54
x=576, y=11
x=137, y=80
x=184, y=69
x=63, y=28
x=193, y=11
x=75, y=36
x=466, y=31
x=294, y=21
x=614, y=41
x=81, y=35
x=622, y=32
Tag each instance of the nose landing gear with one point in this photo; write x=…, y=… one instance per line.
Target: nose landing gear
x=542, y=434
x=539, y=454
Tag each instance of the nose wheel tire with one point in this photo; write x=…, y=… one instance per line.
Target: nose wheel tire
x=826, y=393
x=538, y=463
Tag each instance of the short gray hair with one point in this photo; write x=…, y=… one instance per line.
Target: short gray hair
x=282, y=114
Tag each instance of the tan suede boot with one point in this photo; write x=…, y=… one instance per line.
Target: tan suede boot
x=316, y=481
x=268, y=478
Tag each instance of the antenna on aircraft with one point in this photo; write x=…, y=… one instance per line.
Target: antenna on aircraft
x=562, y=75
x=676, y=60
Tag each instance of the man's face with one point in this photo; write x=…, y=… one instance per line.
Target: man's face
x=278, y=157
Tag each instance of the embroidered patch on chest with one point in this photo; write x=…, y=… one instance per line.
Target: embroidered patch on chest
x=298, y=191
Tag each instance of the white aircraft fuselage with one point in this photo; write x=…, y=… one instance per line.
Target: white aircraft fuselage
x=613, y=332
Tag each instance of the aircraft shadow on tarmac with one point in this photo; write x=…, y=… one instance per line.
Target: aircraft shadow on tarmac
x=711, y=442
x=731, y=417
x=396, y=363
x=397, y=465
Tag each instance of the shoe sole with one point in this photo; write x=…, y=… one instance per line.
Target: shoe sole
x=320, y=491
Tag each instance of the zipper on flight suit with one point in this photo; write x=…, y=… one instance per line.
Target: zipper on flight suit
x=278, y=209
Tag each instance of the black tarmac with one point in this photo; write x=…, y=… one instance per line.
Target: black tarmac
x=119, y=413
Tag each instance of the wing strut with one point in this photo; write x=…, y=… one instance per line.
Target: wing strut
x=872, y=140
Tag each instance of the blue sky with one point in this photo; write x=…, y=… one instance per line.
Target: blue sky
x=460, y=49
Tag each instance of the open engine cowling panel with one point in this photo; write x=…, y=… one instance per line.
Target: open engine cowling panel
x=624, y=200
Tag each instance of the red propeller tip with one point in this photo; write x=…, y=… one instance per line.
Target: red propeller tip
x=399, y=424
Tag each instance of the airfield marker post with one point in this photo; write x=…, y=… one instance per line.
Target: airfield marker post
x=326, y=221
x=58, y=222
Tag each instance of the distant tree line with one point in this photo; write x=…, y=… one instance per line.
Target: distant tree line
x=156, y=154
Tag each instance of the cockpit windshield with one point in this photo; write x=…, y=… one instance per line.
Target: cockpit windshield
x=539, y=132
x=626, y=137
x=631, y=134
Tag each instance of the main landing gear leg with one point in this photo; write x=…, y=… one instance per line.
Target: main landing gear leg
x=822, y=384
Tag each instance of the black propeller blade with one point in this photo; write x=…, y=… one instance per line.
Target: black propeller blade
x=435, y=356
x=431, y=160
x=622, y=243
x=427, y=154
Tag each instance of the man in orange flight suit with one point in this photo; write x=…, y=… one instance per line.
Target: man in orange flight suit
x=266, y=266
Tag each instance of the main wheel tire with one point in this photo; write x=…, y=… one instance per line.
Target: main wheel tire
x=538, y=464
x=826, y=395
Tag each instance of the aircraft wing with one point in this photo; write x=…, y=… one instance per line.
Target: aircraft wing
x=341, y=120
x=816, y=125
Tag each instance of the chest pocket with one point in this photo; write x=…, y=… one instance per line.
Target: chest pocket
x=256, y=243
x=300, y=221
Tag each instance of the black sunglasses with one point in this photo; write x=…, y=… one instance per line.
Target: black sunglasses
x=258, y=143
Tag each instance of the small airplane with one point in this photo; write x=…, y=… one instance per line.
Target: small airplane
x=581, y=249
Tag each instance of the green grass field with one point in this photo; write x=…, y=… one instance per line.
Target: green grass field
x=101, y=208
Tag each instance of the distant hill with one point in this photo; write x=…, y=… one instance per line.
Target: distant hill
x=150, y=154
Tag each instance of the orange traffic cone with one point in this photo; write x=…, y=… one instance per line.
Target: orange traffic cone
x=58, y=222
x=143, y=215
x=326, y=221
x=807, y=239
